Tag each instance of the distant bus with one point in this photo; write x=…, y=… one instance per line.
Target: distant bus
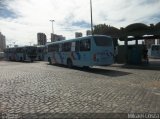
x=83, y=52
x=40, y=52
x=26, y=53
x=155, y=51
x=1, y=55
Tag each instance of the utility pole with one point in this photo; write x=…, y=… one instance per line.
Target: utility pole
x=52, y=26
x=91, y=17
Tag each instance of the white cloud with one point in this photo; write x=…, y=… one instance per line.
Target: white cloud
x=34, y=16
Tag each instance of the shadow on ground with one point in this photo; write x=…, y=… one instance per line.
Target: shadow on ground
x=143, y=67
x=106, y=72
x=20, y=61
x=154, y=64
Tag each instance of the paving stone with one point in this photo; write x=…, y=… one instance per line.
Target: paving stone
x=38, y=87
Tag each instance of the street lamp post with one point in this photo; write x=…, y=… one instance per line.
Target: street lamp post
x=91, y=17
x=52, y=26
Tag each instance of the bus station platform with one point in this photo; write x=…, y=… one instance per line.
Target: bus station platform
x=154, y=64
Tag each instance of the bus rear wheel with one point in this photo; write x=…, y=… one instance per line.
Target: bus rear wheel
x=69, y=63
x=21, y=60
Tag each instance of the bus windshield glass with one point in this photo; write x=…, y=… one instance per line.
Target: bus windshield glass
x=103, y=41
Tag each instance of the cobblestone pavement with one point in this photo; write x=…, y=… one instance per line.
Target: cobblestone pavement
x=42, y=88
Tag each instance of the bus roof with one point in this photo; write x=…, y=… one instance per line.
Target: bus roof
x=79, y=38
x=20, y=47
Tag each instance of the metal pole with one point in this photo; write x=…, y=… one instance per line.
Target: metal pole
x=52, y=26
x=91, y=17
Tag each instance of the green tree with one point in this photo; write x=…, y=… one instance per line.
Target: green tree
x=103, y=29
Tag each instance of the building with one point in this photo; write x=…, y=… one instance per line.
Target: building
x=2, y=42
x=41, y=38
x=55, y=37
x=88, y=32
x=16, y=46
x=78, y=34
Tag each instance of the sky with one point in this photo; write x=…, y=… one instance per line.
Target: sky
x=21, y=20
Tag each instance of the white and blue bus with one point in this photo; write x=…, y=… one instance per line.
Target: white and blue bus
x=26, y=53
x=155, y=51
x=9, y=54
x=88, y=51
x=1, y=55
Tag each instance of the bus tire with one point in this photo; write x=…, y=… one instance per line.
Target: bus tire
x=21, y=59
x=69, y=63
x=39, y=58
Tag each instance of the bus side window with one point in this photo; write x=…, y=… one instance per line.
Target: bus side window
x=21, y=50
x=157, y=48
x=73, y=46
x=85, y=45
x=56, y=47
x=66, y=47
x=63, y=47
x=77, y=46
x=50, y=48
x=60, y=47
x=45, y=49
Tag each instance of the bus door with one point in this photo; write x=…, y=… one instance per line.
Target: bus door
x=58, y=56
x=75, y=54
x=25, y=53
x=85, y=52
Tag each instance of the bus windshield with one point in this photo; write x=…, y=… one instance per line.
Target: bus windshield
x=103, y=41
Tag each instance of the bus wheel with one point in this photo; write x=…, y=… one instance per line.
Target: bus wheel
x=39, y=58
x=21, y=59
x=69, y=63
